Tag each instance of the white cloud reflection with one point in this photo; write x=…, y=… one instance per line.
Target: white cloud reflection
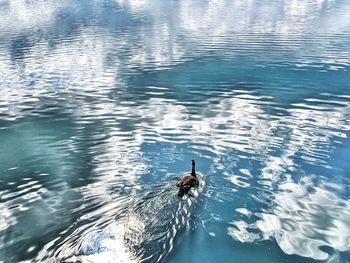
x=300, y=220
x=19, y=15
x=305, y=217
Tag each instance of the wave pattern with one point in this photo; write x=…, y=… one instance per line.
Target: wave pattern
x=104, y=103
x=141, y=230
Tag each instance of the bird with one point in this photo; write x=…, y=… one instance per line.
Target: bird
x=188, y=181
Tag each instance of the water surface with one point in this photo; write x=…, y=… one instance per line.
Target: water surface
x=104, y=103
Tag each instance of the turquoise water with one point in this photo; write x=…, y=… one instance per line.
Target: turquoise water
x=103, y=105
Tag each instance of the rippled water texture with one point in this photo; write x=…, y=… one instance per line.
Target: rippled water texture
x=103, y=105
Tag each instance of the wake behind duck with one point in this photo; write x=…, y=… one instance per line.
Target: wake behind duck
x=144, y=233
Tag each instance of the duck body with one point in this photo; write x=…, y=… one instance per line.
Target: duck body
x=187, y=182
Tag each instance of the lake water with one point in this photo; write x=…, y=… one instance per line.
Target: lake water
x=103, y=105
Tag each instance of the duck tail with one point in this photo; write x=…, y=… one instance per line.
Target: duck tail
x=181, y=192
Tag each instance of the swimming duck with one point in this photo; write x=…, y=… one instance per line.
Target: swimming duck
x=188, y=181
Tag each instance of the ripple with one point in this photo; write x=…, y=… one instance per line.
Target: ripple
x=302, y=222
x=102, y=102
x=130, y=229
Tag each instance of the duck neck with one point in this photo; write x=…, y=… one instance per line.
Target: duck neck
x=193, y=173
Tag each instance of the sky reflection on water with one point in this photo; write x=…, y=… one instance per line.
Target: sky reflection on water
x=102, y=102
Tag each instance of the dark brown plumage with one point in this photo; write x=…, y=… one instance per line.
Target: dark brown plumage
x=188, y=181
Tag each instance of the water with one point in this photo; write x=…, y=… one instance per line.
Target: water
x=104, y=103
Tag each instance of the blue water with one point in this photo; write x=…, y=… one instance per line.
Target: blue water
x=103, y=105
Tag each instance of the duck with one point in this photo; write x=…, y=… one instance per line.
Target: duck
x=188, y=181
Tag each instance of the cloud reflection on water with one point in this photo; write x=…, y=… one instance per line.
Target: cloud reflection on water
x=91, y=68
x=305, y=218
